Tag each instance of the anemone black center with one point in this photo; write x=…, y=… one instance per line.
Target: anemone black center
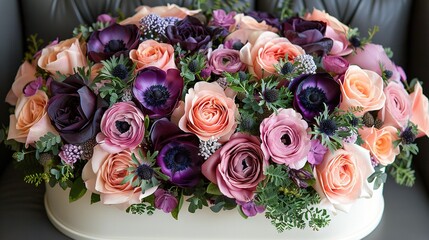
x=114, y=46
x=156, y=95
x=120, y=71
x=271, y=95
x=177, y=158
x=122, y=126
x=313, y=98
x=328, y=127
x=144, y=172
x=286, y=139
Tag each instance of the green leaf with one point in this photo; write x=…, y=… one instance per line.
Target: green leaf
x=213, y=189
x=240, y=211
x=175, y=212
x=77, y=190
x=95, y=198
x=217, y=207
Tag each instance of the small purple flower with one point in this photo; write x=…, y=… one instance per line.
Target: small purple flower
x=250, y=209
x=301, y=177
x=113, y=40
x=178, y=153
x=158, y=91
x=70, y=153
x=165, y=201
x=222, y=19
x=316, y=153
x=106, y=18
x=39, y=53
x=31, y=88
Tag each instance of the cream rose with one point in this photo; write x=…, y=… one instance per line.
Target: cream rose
x=152, y=53
x=380, y=143
x=63, y=57
x=342, y=176
x=362, y=88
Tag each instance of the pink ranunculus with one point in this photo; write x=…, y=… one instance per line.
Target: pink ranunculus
x=397, y=110
x=264, y=50
x=122, y=127
x=225, y=60
x=362, y=88
x=165, y=201
x=152, y=53
x=380, y=143
x=208, y=111
x=171, y=10
x=103, y=174
x=63, y=57
x=285, y=138
x=26, y=73
x=237, y=167
x=420, y=112
x=335, y=64
x=342, y=176
x=30, y=121
x=372, y=57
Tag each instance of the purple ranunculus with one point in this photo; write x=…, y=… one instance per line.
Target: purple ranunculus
x=177, y=153
x=310, y=35
x=31, y=88
x=165, y=201
x=301, y=177
x=264, y=16
x=317, y=152
x=75, y=110
x=113, y=40
x=250, y=209
x=312, y=91
x=335, y=64
x=222, y=19
x=158, y=91
x=106, y=18
x=225, y=60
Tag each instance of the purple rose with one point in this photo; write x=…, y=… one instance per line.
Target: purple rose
x=178, y=153
x=264, y=16
x=113, y=40
x=285, y=138
x=308, y=34
x=122, y=127
x=335, y=64
x=237, y=167
x=221, y=19
x=312, y=91
x=158, y=91
x=225, y=60
x=165, y=201
x=250, y=209
x=75, y=110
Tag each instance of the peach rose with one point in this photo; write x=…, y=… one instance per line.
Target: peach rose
x=362, y=88
x=208, y=111
x=63, y=57
x=30, y=121
x=24, y=75
x=334, y=23
x=103, y=174
x=153, y=53
x=380, y=143
x=248, y=22
x=264, y=50
x=420, y=110
x=171, y=10
x=397, y=110
x=342, y=176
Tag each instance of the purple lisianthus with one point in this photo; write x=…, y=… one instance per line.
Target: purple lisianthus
x=177, y=153
x=335, y=64
x=31, y=88
x=75, y=110
x=312, y=91
x=301, y=177
x=165, y=201
x=264, y=16
x=310, y=35
x=106, y=18
x=113, y=40
x=317, y=152
x=222, y=19
x=158, y=91
x=250, y=209
x=225, y=60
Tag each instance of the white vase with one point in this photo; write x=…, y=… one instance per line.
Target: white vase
x=81, y=220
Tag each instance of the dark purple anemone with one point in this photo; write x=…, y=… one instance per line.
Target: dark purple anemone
x=312, y=91
x=177, y=153
x=264, y=16
x=158, y=91
x=113, y=40
x=310, y=35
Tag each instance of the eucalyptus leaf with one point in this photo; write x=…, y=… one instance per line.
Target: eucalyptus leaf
x=77, y=190
x=213, y=189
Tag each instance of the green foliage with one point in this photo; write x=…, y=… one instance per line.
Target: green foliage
x=85, y=30
x=213, y=189
x=354, y=32
x=77, y=190
x=33, y=46
x=379, y=177
x=95, y=198
x=221, y=202
x=175, y=212
x=284, y=95
x=141, y=208
x=191, y=68
x=198, y=200
x=36, y=178
x=285, y=10
x=48, y=142
x=228, y=5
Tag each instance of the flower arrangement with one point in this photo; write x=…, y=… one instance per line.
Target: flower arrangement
x=287, y=116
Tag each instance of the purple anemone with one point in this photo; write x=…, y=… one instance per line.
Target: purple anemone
x=177, y=153
x=158, y=91
x=113, y=40
x=312, y=91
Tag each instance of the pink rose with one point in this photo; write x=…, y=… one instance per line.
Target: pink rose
x=362, y=88
x=371, y=57
x=122, y=127
x=380, y=143
x=30, y=121
x=420, y=112
x=341, y=178
x=63, y=57
x=225, y=60
x=103, y=174
x=285, y=138
x=264, y=50
x=397, y=110
x=152, y=53
x=208, y=111
x=26, y=73
x=171, y=10
x=237, y=167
